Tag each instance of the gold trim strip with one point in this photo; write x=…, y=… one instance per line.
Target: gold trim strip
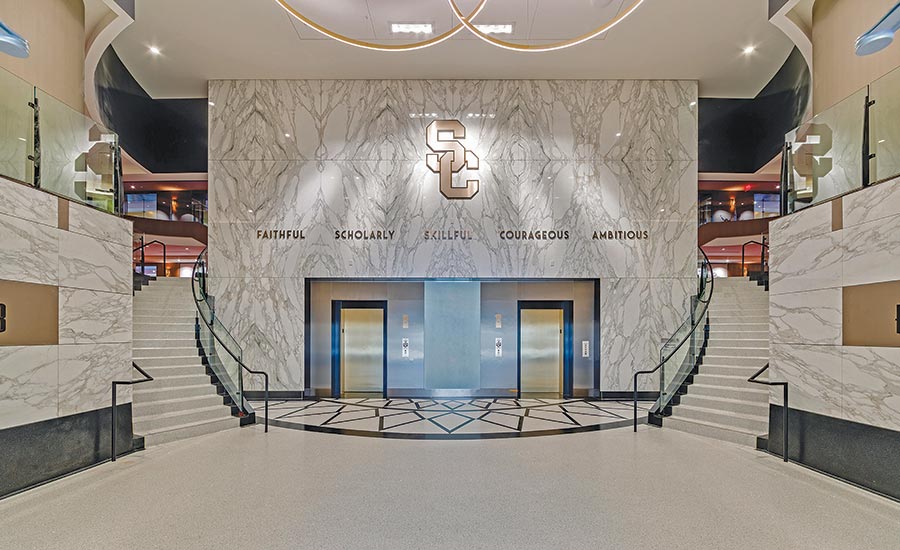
x=466, y=21
x=381, y=47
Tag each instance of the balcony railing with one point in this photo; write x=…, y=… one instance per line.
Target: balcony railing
x=47, y=144
x=854, y=144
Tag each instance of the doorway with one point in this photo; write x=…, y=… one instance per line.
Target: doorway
x=359, y=349
x=545, y=349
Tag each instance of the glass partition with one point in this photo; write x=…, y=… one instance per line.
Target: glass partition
x=16, y=128
x=75, y=157
x=885, y=131
x=826, y=153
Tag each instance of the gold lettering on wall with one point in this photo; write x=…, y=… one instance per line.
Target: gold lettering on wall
x=29, y=315
x=450, y=157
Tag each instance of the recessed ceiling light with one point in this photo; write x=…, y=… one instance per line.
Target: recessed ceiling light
x=412, y=28
x=504, y=28
x=154, y=50
x=749, y=50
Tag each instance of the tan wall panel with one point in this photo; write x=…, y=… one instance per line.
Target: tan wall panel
x=870, y=313
x=31, y=314
x=55, y=30
x=838, y=72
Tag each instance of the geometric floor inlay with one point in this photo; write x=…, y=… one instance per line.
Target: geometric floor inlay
x=461, y=418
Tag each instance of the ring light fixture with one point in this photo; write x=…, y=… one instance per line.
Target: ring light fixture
x=372, y=45
x=465, y=21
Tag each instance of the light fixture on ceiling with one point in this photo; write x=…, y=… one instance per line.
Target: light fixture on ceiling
x=466, y=21
x=881, y=35
x=12, y=43
x=412, y=28
x=502, y=28
x=749, y=50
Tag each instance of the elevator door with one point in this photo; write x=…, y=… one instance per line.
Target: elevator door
x=362, y=351
x=541, y=348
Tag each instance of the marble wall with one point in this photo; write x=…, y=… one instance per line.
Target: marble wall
x=89, y=260
x=811, y=260
x=577, y=156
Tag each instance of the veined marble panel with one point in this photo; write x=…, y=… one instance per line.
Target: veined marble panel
x=266, y=316
x=90, y=222
x=234, y=121
x=263, y=191
x=21, y=201
x=88, y=263
x=812, y=222
x=86, y=373
x=875, y=203
x=28, y=384
x=811, y=317
x=87, y=316
x=872, y=252
x=814, y=375
x=289, y=115
x=871, y=379
x=812, y=263
x=29, y=251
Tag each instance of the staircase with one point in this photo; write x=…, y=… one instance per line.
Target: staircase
x=181, y=402
x=720, y=403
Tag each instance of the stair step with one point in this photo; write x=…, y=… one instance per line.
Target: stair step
x=179, y=370
x=730, y=392
x=739, y=343
x=170, y=317
x=733, y=361
x=163, y=342
x=164, y=327
x=759, y=352
x=722, y=380
x=711, y=430
x=737, y=318
x=738, y=325
x=757, y=408
x=180, y=380
x=170, y=419
x=738, y=334
x=150, y=408
x=155, y=395
x=756, y=424
x=151, y=362
x=186, y=431
x=728, y=370
x=139, y=353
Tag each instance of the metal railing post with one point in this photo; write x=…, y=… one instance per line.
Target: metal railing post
x=784, y=450
x=143, y=265
x=866, y=144
x=112, y=429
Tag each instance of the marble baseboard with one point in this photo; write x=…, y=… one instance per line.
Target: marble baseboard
x=87, y=316
x=810, y=317
x=28, y=384
x=86, y=373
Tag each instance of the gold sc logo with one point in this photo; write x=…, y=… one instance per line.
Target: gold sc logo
x=450, y=157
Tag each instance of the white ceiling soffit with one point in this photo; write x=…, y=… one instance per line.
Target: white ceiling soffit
x=203, y=40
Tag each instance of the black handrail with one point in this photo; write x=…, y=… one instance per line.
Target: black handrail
x=145, y=245
x=784, y=416
x=224, y=345
x=112, y=431
x=762, y=253
x=694, y=326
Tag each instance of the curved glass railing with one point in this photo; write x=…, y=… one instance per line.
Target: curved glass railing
x=222, y=351
x=680, y=354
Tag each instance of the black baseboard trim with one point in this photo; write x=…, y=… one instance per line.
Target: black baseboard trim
x=628, y=395
x=860, y=454
x=34, y=454
x=257, y=395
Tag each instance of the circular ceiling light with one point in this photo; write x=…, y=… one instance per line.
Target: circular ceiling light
x=380, y=47
x=466, y=21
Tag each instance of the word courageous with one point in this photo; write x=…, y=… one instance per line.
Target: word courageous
x=534, y=235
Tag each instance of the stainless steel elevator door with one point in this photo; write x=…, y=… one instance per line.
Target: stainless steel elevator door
x=541, y=349
x=362, y=350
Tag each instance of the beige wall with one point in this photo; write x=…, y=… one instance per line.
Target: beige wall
x=55, y=30
x=838, y=72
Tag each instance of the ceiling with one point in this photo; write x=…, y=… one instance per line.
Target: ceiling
x=203, y=40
